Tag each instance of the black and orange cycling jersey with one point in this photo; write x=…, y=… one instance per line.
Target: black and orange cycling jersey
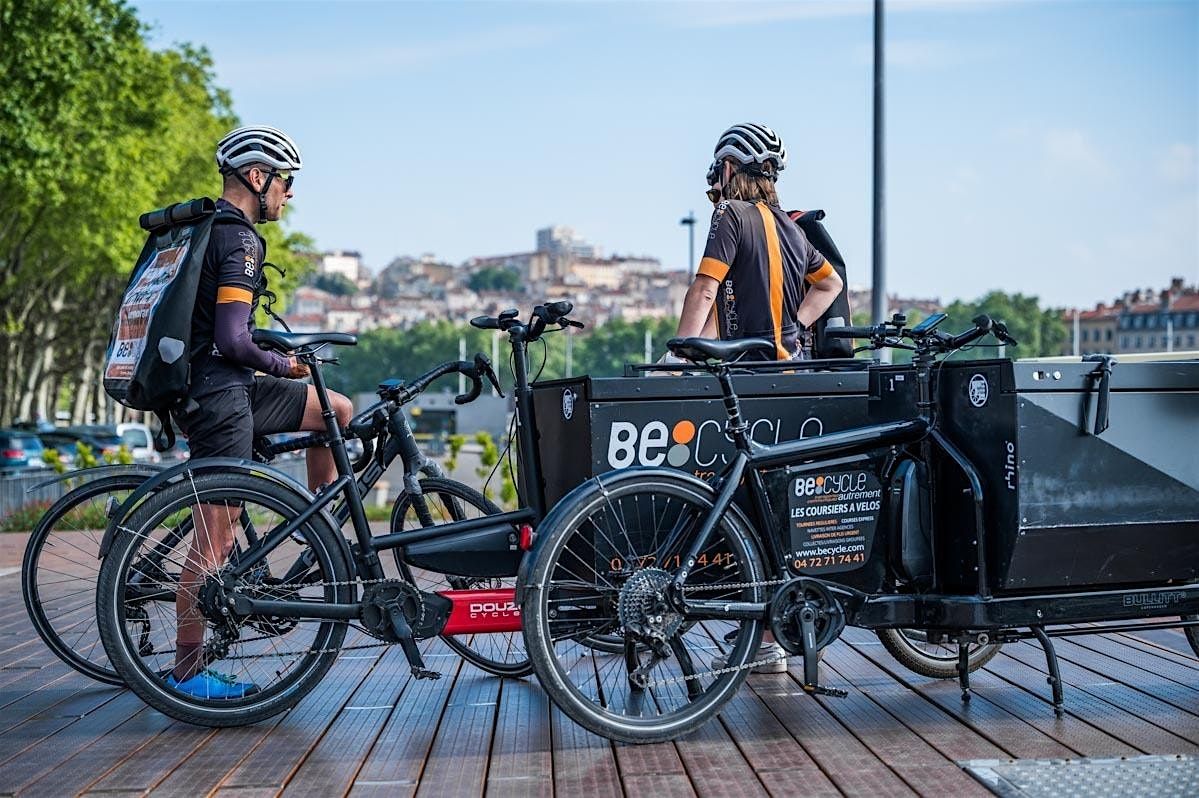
x=761, y=260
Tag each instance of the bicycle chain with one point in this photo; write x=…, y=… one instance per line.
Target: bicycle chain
x=361, y=582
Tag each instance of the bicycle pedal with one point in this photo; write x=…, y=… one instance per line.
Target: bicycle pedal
x=424, y=673
x=832, y=692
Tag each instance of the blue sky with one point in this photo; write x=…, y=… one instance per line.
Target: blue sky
x=1042, y=147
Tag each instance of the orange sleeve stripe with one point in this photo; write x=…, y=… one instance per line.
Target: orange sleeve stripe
x=711, y=267
x=228, y=293
x=821, y=273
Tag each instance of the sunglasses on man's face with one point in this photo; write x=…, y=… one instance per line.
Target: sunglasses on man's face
x=287, y=178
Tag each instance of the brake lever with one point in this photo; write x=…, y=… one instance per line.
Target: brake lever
x=483, y=364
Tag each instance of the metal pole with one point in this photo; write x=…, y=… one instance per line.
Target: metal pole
x=689, y=222
x=1169, y=333
x=570, y=348
x=879, y=282
x=649, y=347
x=495, y=358
x=461, y=356
x=1076, y=331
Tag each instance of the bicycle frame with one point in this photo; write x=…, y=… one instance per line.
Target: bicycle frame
x=366, y=551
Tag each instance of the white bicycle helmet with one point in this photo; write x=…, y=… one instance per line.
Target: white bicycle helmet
x=258, y=144
x=748, y=143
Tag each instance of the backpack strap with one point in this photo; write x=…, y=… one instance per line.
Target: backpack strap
x=164, y=439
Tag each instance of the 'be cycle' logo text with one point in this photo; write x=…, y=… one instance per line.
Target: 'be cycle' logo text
x=687, y=444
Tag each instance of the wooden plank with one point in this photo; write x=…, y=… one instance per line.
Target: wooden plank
x=457, y=763
x=521, y=760
x=331, y=765
x=924, y=768
x=1006, y=726
x=276, y=758
x=851, y=766
x=395, y=763
x=1142, y=676
x=714, y=763
x=584, y=764
x=995, y=705
x=38, y=760
x=124, y=745
x=1083, y=705
x=1107, y=687
x=155, y=760
x=942, y=731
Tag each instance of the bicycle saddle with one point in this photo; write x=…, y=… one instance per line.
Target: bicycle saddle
x=710, y=349
x=286, y=342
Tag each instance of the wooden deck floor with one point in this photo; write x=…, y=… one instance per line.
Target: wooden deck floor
x=372, y=730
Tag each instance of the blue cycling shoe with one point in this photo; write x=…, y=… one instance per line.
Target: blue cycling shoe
x=212, y=685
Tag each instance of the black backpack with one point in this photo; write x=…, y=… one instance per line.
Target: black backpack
x=822, y=347
x=147, y=365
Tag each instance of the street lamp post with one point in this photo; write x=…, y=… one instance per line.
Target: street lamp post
x=688, y=221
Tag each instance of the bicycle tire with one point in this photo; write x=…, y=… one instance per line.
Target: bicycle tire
x=900, y=645
x=144, y=672
x=680, y=697
x=62, y=608
x=480, y=650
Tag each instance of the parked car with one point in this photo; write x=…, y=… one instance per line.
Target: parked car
x=20, y=450
x=139, y=441
x=103, y=436
x=179, y=452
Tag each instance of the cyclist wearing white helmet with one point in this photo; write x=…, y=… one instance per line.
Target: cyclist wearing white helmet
x=759, y=276
x=229, y=403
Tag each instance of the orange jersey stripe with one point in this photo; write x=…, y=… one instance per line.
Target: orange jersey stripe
x=711, y=267
x=775, y=258
x=229, y=293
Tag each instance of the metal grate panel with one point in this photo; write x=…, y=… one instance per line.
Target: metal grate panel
x=1159, y=776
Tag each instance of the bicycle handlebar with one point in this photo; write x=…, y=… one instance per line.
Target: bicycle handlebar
x=926, y=339
x=543, y=316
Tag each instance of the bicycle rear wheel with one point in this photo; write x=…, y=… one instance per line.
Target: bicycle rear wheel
x=281, y=658
x=60, y=569
x=499, y=653
x=606, y=557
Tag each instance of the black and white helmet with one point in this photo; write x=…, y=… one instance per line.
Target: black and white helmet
x=748, y=143
x=258, y=144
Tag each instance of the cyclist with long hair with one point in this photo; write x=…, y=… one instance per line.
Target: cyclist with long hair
x=759, y=275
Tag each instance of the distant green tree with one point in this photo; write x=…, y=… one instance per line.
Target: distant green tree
x=604, y=351
x=1040, y=331
x=336, y=284
x=495, y=279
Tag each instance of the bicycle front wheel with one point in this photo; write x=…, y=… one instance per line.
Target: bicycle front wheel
x=251, y=666
x=602, y=571
x=60, y=569
x=499, y=653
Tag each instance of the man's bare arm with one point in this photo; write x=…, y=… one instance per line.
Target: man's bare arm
x=697, y=307
x=819, y=298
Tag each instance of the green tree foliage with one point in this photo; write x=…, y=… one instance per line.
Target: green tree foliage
x=495, y=279
x=95, y=128
x=1040, y=332
x=336, y=284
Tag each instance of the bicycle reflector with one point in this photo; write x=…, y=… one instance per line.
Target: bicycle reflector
x=527, y=537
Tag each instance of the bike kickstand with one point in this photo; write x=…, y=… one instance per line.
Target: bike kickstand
x=964, y=669
x=403, y=631
x=1055, y=676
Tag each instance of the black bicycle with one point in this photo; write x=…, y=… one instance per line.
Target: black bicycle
x=278, y=609
x=690, y=582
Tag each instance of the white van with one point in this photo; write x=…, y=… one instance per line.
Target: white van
x=138, y=439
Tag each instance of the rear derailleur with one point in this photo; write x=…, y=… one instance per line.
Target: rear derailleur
x=398, y=612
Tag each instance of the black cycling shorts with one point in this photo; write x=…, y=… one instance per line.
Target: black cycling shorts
x=227, y=421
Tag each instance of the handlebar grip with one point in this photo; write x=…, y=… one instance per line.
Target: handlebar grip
x=485, y=323
x=476, y=387
x=849, y=332
x=560, y=308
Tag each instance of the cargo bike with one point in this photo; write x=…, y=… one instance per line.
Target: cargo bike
x=986, y=502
